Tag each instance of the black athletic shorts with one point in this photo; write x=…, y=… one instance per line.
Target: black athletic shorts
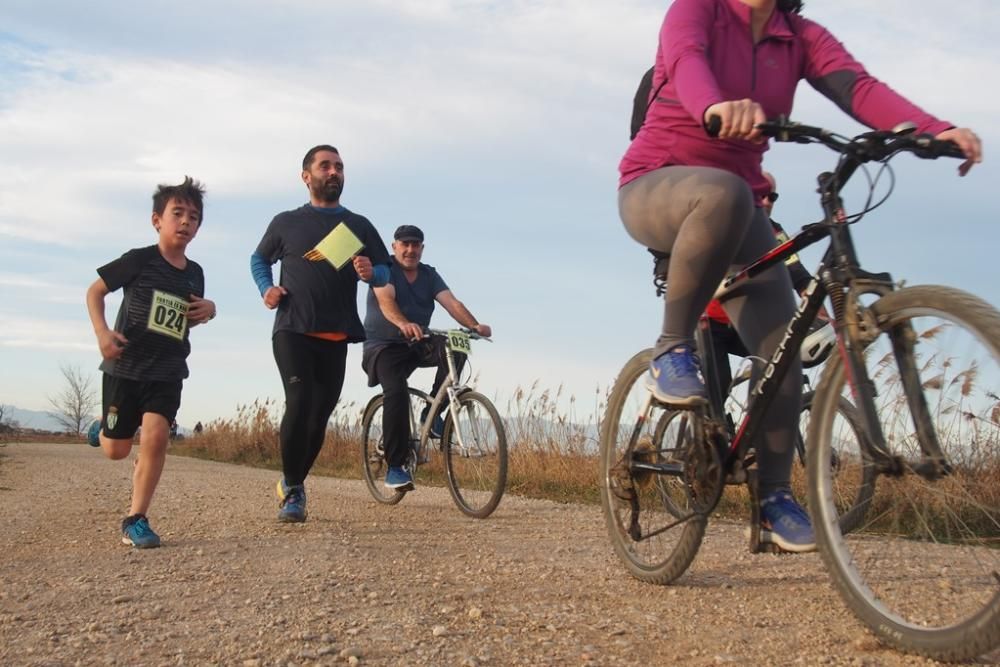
x=125, y=401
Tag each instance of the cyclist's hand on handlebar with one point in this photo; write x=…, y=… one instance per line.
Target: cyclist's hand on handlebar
x=739, y=119
x=970, y=144
x=483, y=330
x=411, y=331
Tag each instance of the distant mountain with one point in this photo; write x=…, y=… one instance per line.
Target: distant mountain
x=38, y=419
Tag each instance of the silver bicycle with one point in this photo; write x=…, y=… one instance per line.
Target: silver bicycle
x=473, y=443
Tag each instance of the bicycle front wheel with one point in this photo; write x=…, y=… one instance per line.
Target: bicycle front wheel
x=852, y=475
x=373, y=462
x=474, y=444
x=650, y=520
x=922, y=567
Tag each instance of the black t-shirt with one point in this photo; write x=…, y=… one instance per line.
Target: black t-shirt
x=320, y=299
x=153, y=314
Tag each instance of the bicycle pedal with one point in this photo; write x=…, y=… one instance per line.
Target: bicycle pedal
x=771, y=548
x=758, y=546
x=620, y=484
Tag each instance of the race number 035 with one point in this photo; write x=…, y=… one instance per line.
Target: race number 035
x=458, y=341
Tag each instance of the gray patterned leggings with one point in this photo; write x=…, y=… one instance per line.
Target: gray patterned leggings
x=706, y=219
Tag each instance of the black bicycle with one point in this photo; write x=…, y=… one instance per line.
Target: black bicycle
x=854, y=478
x=921, y=567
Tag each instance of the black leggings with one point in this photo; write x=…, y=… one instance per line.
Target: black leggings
x=706, y=219
x=312, y=372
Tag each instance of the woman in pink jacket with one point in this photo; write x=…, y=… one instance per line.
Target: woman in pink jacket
x=695, y=197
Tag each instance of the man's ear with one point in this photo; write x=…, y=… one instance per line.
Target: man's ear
x=156, y=221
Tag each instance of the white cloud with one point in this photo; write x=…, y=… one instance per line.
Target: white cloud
x=42, y=290
x=96, y=107
x=25, y=331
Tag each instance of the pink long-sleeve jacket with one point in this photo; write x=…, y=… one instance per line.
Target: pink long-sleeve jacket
x=707, y=54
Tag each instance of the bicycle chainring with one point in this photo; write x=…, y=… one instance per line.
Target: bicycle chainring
x=703, y=473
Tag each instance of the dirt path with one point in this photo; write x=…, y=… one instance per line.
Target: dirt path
x=415, y=584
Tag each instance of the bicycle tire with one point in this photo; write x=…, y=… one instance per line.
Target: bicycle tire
x=672, y=428
x=669, y=556
x=921, y=569
x=856, y=486
x=373, y=463
x=475, y=464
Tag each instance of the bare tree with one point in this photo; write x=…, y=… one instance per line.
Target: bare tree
x=73, y=407
x=9, y=428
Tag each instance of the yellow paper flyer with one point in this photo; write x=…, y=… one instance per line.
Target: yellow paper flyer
x=338, y=247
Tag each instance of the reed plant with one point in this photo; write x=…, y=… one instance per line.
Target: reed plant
x=553, y=449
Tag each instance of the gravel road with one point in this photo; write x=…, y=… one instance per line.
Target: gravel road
x=360, y=583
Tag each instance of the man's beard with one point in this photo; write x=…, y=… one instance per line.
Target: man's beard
x=328, y=191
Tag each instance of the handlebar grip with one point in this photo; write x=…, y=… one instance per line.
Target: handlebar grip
x=951, y=149
x=930, y=148
x=714, y=125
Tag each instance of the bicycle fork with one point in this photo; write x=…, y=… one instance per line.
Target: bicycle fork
x=932, y=464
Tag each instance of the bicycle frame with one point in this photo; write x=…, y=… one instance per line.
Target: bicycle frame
x=450, y=389
x=840, y=277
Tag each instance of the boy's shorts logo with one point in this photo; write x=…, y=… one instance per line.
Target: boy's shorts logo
x=112, y=417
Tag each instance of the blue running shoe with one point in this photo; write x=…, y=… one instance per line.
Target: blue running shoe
x=437, y=426
x=783, y=522
x=94, y=434
x=137, y=533
x=675, y=377
x=398, y=478
x=282, y=489
x=293, y=503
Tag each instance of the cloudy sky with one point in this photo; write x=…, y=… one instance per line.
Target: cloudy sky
x=495, y=126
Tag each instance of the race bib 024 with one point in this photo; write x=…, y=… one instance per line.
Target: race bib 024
x=168, y=315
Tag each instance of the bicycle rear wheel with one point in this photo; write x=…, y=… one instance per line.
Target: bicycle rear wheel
x=650, y=518
x=922, y=567
x=474, y=444
x=852, y=474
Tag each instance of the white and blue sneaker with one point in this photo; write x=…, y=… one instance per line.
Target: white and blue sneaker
x=293, y=502
x=437, y=424
x=675, y=378
x=137, y=533
x=398, y=478
x=784, y=522
x=94, y=433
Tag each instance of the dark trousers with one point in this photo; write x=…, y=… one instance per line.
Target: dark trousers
x=312, y=372
x=393, y=366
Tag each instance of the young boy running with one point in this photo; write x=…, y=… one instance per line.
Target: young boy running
x=144, y=355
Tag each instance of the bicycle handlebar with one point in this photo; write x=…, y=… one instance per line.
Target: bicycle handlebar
x=871, y=146
x=867, y=147
x=444, y=332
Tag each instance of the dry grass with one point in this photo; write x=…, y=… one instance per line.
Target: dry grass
x=550, y=454
x=553, y=452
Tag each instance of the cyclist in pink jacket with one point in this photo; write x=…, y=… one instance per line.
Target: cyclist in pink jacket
x=697, y=198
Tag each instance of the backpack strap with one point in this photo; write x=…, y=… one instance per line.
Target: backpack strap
x=643, y=100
